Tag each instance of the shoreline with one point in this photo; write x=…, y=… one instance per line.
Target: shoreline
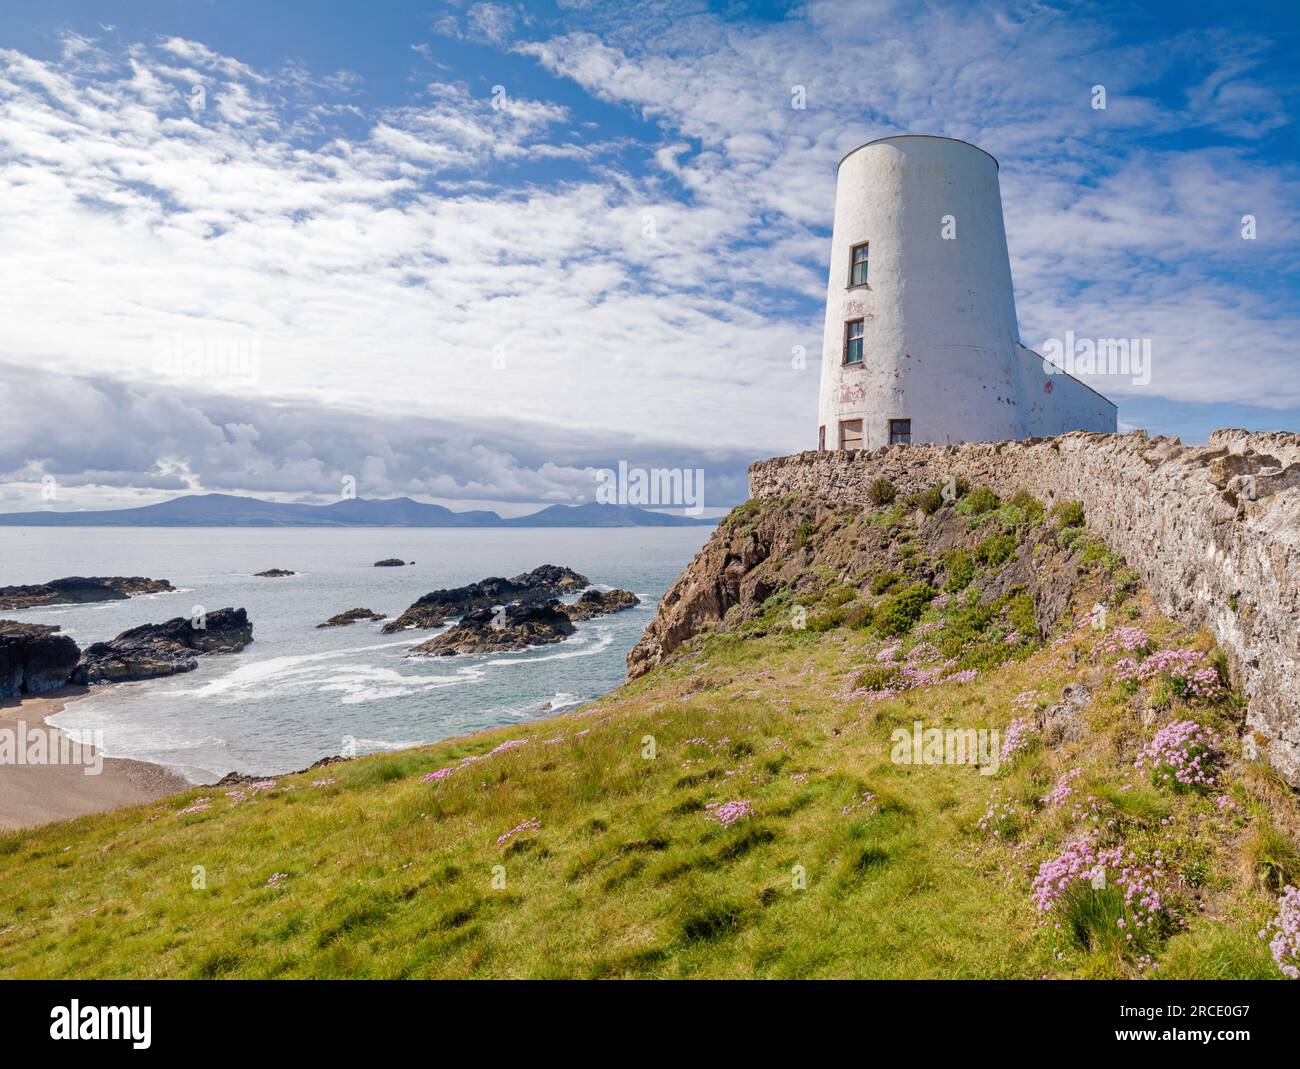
x=31, y=795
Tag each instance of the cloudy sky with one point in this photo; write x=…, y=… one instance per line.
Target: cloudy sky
x=469, y=252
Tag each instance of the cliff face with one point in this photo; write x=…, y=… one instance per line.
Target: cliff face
x=809, y=550
x=1214, y=532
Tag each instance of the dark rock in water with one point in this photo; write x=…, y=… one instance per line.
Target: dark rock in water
x=391, y=562
x=494, y=630
x=541, y=584
x=240, y=779
x=152, y=650
x=34, y=658
x=351, y=617
x=274, y=573
x=600, y=603
x=80, y=590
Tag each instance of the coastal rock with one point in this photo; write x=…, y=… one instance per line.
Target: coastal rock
x=274, y=573
x=391, y=562
x=600, y=603
x=541, y=584
x=152, y=650
x=785, y=544
x=242, y=779
x=80, y=590
x=493, y=630
x=351, y=617
x=34, y=658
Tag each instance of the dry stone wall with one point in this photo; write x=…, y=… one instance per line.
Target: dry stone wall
x=1214, y=531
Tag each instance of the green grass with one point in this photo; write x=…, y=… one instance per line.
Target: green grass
x=626, y=874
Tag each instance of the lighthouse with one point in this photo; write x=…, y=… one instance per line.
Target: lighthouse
x=921, y=341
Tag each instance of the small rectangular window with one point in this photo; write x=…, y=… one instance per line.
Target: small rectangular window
x=851, y=434
x=858, y=265
x=821, y=438
x=900, y=432
x=853, y=333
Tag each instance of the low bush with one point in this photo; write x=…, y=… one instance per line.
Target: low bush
x=882, y=492
x=897, y=613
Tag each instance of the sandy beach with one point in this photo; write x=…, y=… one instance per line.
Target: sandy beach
x=38, y=794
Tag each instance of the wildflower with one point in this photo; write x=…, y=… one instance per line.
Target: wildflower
x=1016, y=739
x=865, y=802
x=1182, y=755
x=442, y=773
x=199, y=805
x=1063, y=789
x=1026, y=700
x=1285, y=929
x=276, y=879
x=1189, y=671
x=1142, y=882
x=531, y=824
x=728, y=813
x=1128, y=639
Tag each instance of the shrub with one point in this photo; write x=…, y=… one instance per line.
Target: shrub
x=995, y=550
x=897, y=613
x=803, y=534
x=961, y=569
x=881, y=492
x=883, y=581
x=1029, y=506
x=928, y=501
x=876, y=677
x=1022, y=612
x=979, y=501
x=1068, y=536
x=1068, y=513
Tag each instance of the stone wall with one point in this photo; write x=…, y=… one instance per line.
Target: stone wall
x=1214, y=531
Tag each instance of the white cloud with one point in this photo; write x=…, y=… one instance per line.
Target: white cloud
x=413, y=262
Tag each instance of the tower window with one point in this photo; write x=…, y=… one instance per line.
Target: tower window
x=821, y=438
x=850, y=434
x=858, y=265
x=853, y=332
x=900, y=432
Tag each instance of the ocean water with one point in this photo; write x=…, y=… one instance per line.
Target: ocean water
x=296, y=693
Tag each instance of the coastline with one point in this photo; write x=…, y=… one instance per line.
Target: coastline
x=31, y=795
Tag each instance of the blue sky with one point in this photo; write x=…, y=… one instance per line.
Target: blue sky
x=471, y=251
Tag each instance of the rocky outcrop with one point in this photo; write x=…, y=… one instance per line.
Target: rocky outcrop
x=274, y=573
x=600, y=603
x=153, y=650
x=1063, y=721
x=795, y=543
x=541, y=584
x=509, y=627
x=1213, y=530
x=391, y=562
x=80, y=590
x=34, y=658
x=351, y=617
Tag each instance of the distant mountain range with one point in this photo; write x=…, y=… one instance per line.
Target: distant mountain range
x=229, y=510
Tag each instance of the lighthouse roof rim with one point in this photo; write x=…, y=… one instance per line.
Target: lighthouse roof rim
x=925, y=137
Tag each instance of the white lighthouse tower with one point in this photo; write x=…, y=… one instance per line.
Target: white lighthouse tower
x=921, y=340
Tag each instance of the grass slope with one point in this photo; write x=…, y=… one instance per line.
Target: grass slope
x=583, y=845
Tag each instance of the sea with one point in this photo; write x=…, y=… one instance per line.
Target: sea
x=298, y=693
